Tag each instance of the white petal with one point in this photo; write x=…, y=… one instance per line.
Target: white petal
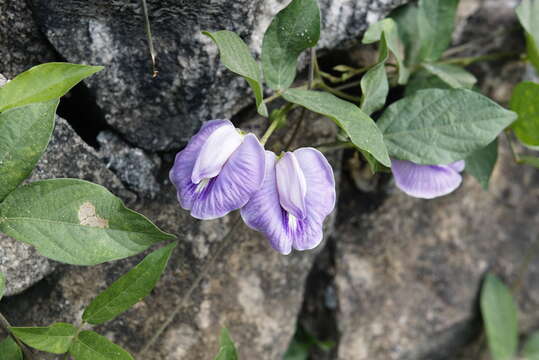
x=215, y=152
x=291, y=185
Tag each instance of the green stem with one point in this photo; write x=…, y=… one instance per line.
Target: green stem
x=465, y=61
x=339, y=93
x=149, y=37
x=273, y=97
x=187, y=295
x=325, y=148
x=6, y=325
x=310, y=83
x=349, y=85
x=268, y=132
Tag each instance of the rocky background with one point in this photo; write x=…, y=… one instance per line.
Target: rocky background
x=397, y=277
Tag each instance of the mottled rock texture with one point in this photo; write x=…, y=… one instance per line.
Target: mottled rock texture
x=408, y=273
x=163, y=113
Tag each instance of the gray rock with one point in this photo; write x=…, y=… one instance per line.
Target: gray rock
x=66, y=156
x=136, y=168
x=163, y=113
x=250, y=288
x=22, y=45
x=408, y=273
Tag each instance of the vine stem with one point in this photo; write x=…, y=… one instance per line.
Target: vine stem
x=325, y=148
x=465, y=61
x=512, y=147
x=275, y=96
x=268, y=132
x=149, y=37
x=6, y=325
x=309, y=87
x=183, y=301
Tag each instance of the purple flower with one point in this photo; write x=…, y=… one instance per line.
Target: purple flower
x=297, y=194
x=218, y=171
x=427, y=181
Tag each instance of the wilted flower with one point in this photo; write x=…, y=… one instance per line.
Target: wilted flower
x=427, y=181
x=297, y=194
x=218, y=170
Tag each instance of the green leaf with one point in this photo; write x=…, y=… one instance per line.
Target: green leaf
x=43, y=83
x=10, y=350
x=236, y=56
x=436, y=127
x=129, y=289
x=481, y=163
x=227, y=349
x=426, y=29
x=500, y=317
x=454, y=76
x=406, y=19
x=528, y=15
x=374, y=84
x=54, y=339
x=389, y=29
x=294, y=29
x=2, y=285
x=76, y=222
x=24, y=135
x=92, y=346
x=533, y=51
x=423, y=79
x=361, y=129
x=529, y=160
x=524, y=103
x=436, y=25
x=531, y=347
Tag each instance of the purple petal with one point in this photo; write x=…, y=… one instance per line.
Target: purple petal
x=458, y=166
x=180, y=174
x=240, y=177
x=284, y=231
x=320, y=197
x=263, y=212
x=291, y=185
x=425, y=181
x=215, y=152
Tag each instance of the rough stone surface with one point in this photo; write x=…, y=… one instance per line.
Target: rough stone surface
x=408, y=273
x=22, y=45
x=163, y=113
x=136, y=168
x=66, y=156
x=251, y=289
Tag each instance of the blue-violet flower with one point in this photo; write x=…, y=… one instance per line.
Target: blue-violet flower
x=218, y=171
x=427, y=181
x=297, y=194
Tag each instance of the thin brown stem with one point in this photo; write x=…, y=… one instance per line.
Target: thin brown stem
x=514, y=152
x=6, y=325
x=153, y=54
x=225, y=242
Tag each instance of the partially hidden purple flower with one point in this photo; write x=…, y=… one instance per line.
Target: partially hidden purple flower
x=218, y=171
x=427, y=181
x=297, y=194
